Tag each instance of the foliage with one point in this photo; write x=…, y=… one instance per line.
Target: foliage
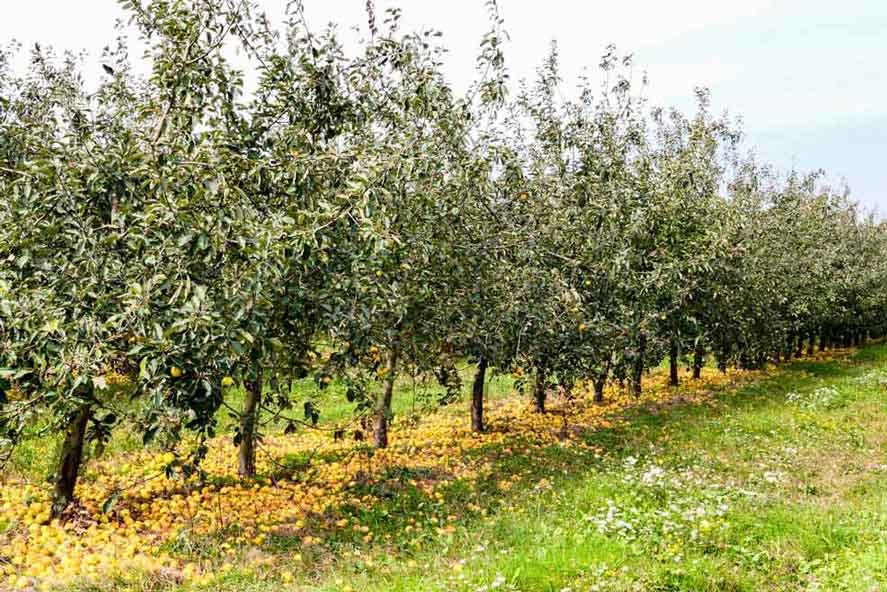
x=174, y=246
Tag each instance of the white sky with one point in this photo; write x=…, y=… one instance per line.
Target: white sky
x=809, y=77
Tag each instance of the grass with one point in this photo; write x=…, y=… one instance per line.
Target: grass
x=763, y=490
x=778, y=485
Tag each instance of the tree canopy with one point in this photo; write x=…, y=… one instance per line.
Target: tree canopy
x=355, y=218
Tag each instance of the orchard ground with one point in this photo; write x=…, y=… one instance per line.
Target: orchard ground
x=770, y=480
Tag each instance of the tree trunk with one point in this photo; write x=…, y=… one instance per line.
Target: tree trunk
x=673, y=364
x=567, y=388
x=477, y=396
x=698, y=360
x=383, y=403
x=69, y=461
x=799, y=345
x=252, y=404
x=539, y=390
x=638, y=370
x=811, y=344
x=600, y=381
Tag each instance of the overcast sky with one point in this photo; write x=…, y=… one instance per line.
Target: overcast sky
x=808, y=77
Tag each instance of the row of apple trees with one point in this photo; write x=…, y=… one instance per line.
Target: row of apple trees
x=263, y=192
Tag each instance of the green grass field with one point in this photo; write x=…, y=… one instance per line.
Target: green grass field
x=780, y=485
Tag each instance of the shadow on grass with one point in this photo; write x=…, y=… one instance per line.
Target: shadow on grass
x=822, y=369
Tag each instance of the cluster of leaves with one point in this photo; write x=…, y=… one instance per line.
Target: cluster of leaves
x=190, y=235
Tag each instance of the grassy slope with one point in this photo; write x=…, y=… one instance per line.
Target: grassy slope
x=763, y=490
